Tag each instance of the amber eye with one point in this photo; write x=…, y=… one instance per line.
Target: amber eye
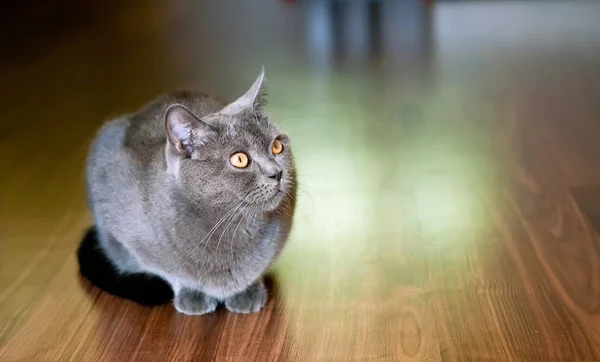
x=277, y=147
x=239, y=160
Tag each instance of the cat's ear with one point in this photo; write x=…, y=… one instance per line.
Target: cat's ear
x=185, y=130
x=255, y=98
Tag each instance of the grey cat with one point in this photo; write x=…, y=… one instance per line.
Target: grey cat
x=197, y=192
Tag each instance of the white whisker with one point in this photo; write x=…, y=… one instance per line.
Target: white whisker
x=220, y=222
x=227, y=227
x=211, y=231
x=233, y=236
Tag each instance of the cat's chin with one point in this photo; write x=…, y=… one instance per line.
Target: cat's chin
x=274, y=202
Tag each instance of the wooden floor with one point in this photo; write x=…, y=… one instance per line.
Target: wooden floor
x=449, y=160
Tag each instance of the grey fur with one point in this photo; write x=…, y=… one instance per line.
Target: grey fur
x=160, y=180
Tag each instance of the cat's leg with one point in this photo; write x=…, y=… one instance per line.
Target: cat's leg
x=250, y=300
x=194, y=302
x=118, y=254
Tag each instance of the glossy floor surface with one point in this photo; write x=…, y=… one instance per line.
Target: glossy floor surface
x=449, y=160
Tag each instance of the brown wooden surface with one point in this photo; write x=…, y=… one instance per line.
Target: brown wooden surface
x=449, y=162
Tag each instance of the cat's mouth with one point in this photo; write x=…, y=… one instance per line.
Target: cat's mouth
x=275, y=199
x=267, y=200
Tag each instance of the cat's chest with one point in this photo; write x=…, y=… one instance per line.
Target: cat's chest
x=250, y=248
x=234, y=271
x=233, y=250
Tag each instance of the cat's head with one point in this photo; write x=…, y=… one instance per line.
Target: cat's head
x=235, y=156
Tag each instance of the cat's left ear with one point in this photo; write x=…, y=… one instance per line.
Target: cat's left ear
x=255, y=98
x=184, y=130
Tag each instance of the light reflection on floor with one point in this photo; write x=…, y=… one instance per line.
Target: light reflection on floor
x=397, y=151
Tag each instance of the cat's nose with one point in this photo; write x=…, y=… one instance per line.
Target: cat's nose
x=276, y=175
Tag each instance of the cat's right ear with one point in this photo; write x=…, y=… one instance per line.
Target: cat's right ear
x=184, y=130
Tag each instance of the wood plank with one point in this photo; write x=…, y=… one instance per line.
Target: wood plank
x=448, y=158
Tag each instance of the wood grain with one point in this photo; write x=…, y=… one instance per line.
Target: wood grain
x=448, y=157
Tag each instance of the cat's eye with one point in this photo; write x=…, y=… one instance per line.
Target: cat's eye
x=277, y=147
x=239, y=160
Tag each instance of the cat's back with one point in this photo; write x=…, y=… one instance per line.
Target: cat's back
x=136, y=135
x=129, y=148
x=146, y=127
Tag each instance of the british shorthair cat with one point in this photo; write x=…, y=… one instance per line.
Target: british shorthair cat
x=192, y=200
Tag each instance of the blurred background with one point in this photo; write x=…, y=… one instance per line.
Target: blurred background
x=448, y=159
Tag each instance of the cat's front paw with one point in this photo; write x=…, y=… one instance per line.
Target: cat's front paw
x=193, y=302
x=250, y=300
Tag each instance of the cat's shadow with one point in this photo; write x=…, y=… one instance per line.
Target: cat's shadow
x=270, y=280
x=161, y=328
